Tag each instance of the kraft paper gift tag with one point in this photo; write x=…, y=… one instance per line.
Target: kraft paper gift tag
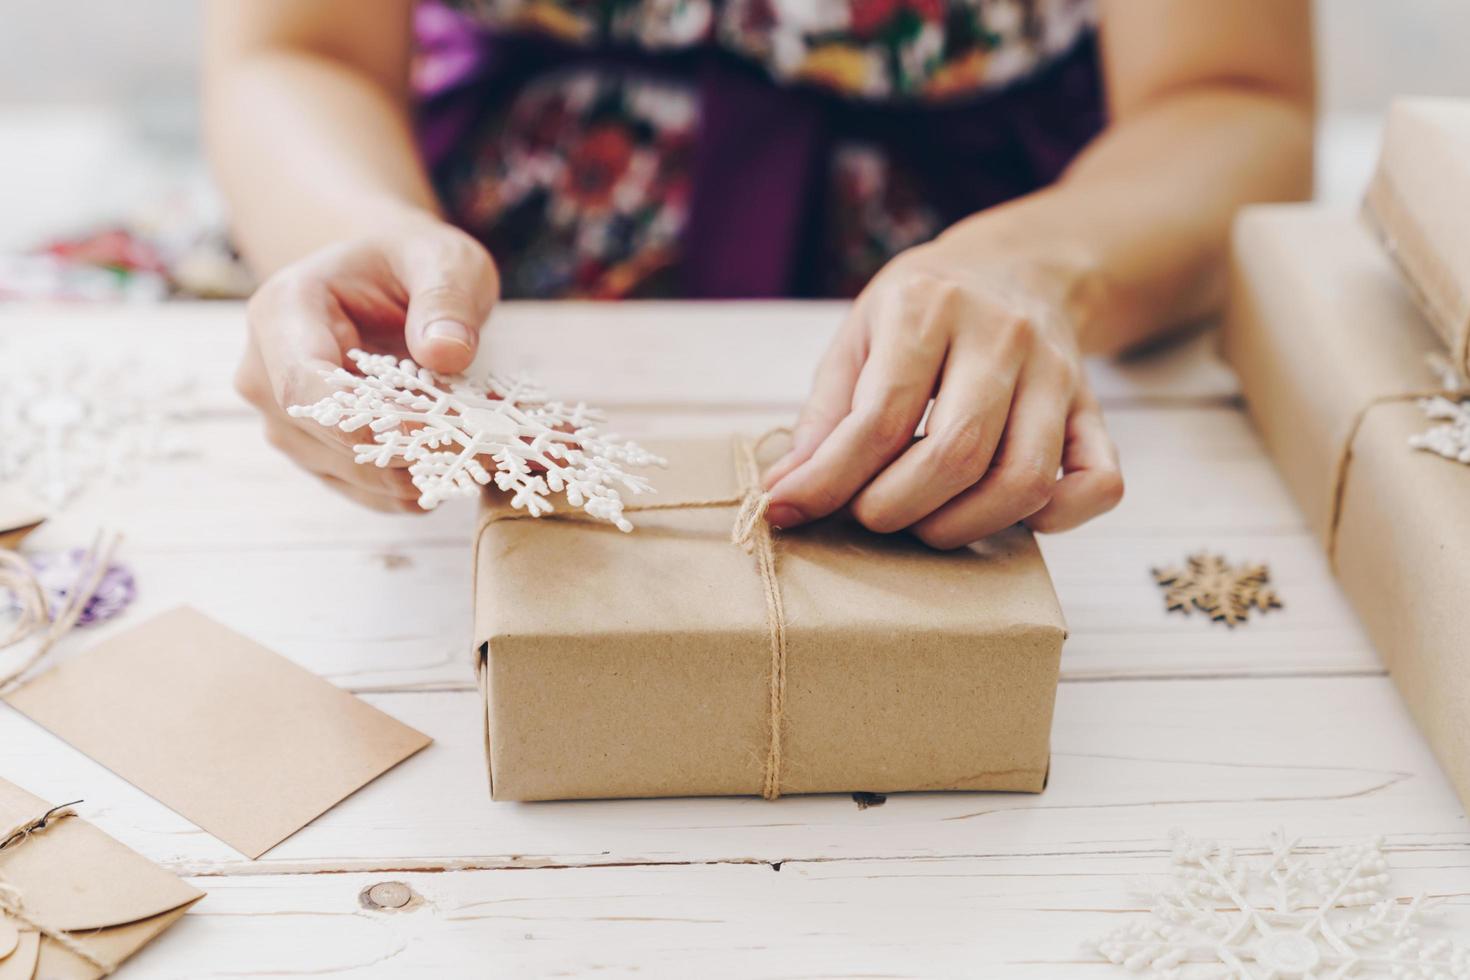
x=238, y=739
x=73, y=878
x=19, y=516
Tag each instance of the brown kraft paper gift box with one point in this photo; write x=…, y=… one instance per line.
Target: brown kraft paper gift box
x=1418, y=204
x=640, y=665
x=1331, y=351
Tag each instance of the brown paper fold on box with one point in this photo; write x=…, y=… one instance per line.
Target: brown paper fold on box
x=637, y=665
x=1330, y=351
x=1419, y=205
x=20, y=514
x=77, y=880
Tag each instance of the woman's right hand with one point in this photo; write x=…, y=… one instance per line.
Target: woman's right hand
x=421, y=292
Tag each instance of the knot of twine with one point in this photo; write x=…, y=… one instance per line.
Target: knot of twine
x=34, y=616
x=12, y=902
x=751, y=532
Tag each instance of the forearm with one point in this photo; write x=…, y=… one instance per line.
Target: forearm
x=1132, y=240
x=308, y=150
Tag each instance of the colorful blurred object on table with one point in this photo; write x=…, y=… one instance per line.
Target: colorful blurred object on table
x=166, y=251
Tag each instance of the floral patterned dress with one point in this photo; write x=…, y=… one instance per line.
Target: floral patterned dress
x=641, y=148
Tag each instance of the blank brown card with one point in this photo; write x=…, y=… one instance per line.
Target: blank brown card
x=238, y=739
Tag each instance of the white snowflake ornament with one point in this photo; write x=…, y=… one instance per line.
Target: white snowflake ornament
x=72, y=423
x=458, y=434
x=1451, y=439
x=1284, y=914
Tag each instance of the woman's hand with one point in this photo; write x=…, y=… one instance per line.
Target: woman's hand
x=421, y=292
x=994, y=346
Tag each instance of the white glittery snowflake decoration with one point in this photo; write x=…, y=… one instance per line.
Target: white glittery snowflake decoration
x=1451, y=439
x=458, y=434
x=1284, y=914
x=70, y=424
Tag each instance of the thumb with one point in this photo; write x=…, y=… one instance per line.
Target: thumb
x=452, y=285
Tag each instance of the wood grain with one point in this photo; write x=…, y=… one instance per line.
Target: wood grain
x=1028, y=917
x=1132, y=760
x=1162, y=721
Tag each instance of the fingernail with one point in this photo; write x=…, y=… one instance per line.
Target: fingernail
x=783, y=515
x=449, y=330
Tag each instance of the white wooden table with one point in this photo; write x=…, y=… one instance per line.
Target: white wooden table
x=1162, y=721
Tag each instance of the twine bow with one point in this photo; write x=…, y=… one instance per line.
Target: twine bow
x=751, y=532
x=12, y=902
x=35, y=617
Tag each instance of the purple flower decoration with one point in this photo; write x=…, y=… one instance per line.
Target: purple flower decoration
x=59, y=572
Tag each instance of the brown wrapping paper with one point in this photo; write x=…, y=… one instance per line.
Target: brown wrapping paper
x=1419, y=205
x=639, y=665
x=75, y=879
x=20, y=514
x=1331, y=352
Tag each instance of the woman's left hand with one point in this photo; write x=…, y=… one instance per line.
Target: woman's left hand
x=1014, y=433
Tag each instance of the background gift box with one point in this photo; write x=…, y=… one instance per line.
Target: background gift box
x=1331, y=355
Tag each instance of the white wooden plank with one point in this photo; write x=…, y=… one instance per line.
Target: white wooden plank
x=1330, y=757
x=993, y=917
x=233, y=489
x=1118, y=627
x=373, y=618
x=379, y=602
x=611, y=354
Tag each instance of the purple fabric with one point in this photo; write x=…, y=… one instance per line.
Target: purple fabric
x=760, y=162
x=453, y=58
x=60, y=572
x=754, y=168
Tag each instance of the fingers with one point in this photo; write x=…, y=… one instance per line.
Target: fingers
x=1092, y=483
x=298, y=330
x=452, y=285
x=326, y=461
x=1024, y=476
x=272, y=396
x=910, y=337
x=829, y=402
x=962, y=433
x=430, y=288
x=373, y=501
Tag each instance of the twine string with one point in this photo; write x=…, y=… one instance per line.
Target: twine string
x=21, y=832
x=1343, y=462
x=12, y=902
x=34, y=616
x=751, y=532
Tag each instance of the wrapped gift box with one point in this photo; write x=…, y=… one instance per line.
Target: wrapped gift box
x=1419, y=204
x=1331, y=353
x=640, y=665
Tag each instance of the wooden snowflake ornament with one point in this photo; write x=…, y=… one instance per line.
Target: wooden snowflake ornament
x=459, y=434
x=1225, y=592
